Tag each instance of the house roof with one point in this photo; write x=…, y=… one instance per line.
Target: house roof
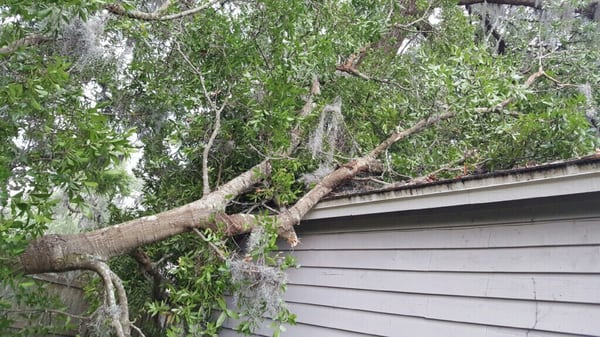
x=548, y=180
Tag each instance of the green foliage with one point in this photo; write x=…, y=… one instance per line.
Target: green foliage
x=27, y=302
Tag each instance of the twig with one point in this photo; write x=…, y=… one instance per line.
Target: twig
x=530, y=80
x=375, y=180
x=280, y=156
x=49, y=311
x=391, y=12
x=432, y=175
x=212, y=245
x=354, y=72
x=423, y=17
x=139, y=331
x=270, y=208
x=557, y=82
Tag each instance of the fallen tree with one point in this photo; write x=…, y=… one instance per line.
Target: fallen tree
x=252, y=95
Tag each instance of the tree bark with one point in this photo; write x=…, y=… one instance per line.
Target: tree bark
x=54, y=253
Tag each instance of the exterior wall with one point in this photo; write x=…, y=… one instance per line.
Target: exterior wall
x=517, y=268
x=70, y=293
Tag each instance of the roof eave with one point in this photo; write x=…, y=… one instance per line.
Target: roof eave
x=581, y=176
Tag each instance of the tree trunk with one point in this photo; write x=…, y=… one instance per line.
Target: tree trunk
x=53, y=253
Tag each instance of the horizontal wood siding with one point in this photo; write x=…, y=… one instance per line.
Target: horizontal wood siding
x=299, y=329
x=527, y=269
x=578, y=288
x=560, y=232
x=391, y=325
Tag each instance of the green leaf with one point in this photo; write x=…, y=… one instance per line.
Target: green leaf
x=26, y=284
x=221, y=319
x=15, y=91
x=92, y=184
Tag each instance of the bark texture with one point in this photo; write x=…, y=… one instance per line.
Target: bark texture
x=53, y=253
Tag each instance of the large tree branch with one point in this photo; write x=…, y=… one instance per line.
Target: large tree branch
x=68, y=252
x=53, y=253
x=293, y=215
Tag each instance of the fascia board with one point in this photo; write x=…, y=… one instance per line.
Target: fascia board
x=551, y=183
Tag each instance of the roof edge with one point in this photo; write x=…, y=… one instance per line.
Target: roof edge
x=554, y=179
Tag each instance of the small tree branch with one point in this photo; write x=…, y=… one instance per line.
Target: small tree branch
x=432, y=175
x=215, y=132
x=157, y=15
x=150, y=268
x=24, y=42
x=423, y=17
x=139, y=331
x=44, y=311
x=418, y=127
x=119, y=312
x=296, y=134
x=212, y=245
x=216, y=127
x=530, y=80
x=351, y=67
x=354, y=72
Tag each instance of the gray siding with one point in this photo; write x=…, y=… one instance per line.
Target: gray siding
x=70, y=293
x=528, y=268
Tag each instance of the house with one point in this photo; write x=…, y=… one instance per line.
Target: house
x=512, y=253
